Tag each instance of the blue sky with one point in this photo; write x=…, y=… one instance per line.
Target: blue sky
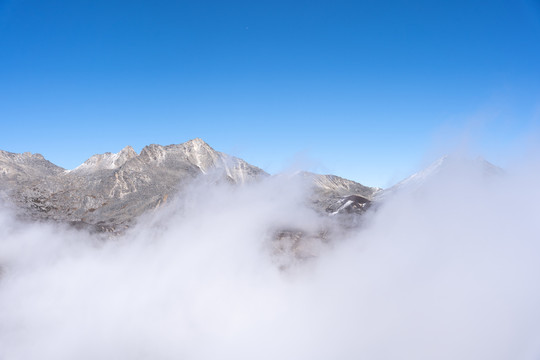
x=367, y=90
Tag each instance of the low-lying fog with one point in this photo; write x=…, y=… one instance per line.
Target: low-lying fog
x=449, y=272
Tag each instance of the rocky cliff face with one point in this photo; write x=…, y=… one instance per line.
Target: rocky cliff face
x=109, y=191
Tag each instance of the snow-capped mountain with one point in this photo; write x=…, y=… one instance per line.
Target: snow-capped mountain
x=446, y=166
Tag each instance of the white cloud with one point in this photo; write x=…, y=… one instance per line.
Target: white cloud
x=447, y=273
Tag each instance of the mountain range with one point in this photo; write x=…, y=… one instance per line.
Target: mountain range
x=109, y=191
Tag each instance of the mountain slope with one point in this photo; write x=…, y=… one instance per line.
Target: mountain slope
x=444, y=168
x=336, y=195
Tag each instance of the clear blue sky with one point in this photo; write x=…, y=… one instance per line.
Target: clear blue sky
x=361, y=89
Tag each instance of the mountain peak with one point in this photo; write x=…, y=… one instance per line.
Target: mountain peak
x=198, y=141
x=127, y=150
x=445, y=166
x=107, y=161
x=197, y=144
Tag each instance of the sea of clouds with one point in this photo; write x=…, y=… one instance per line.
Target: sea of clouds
x=449, y=271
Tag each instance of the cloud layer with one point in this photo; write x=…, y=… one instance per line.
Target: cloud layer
x=447, y=272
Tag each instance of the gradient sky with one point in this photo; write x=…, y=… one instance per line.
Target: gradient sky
x=367, y=90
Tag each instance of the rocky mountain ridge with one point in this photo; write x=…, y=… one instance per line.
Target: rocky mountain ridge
x=109, y=191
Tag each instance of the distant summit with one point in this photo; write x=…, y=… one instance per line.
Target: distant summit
x=446, y=166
